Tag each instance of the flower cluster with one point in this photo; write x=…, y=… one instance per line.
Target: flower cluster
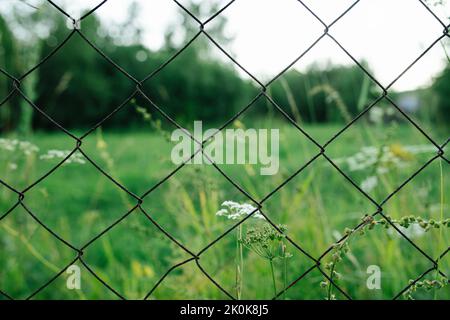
x=385, y=157
x=16, y=145
x=267, y=242
x=77, y=157
x=234, y=211
x=369, y=183
x=382, y=160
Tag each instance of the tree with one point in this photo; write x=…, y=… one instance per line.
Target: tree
x=8, y=63
x=29, y=25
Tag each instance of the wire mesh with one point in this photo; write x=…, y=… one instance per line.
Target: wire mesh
x=263, y=92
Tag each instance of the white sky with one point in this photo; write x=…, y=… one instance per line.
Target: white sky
x=269, y=34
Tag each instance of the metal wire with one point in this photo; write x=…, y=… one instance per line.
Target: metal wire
x=263, y=93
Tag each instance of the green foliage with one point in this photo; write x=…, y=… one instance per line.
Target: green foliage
x=79, y=82
x=77, y=202
x=266, y=241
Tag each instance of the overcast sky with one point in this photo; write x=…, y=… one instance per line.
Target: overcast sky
x=269, y=34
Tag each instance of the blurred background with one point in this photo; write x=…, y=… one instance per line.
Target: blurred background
x=321, y=89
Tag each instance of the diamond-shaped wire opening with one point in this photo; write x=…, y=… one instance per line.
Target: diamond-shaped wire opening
x=221, y=99
x=317, y=205
x=187, y=204
x=314, y=90
x=242, y=261
x=429, y=74
x=420, y=209
x=121, y=38
x=252, y=149
x=127, y=24
x=133, y=264
x=19, y=31
x=263, y=39
x=391, y=31
x=345, y=8
x=383, y=150
x=86, y=207
x=141, y=160
x=30, y=255
x=79, y=85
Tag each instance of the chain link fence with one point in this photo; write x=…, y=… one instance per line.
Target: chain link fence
x=263, y=93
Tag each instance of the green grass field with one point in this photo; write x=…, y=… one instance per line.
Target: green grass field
x=78, y=203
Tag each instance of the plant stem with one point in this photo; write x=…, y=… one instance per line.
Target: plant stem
x=239, y=262
x=330, y=285
x=441, y=218
x=273, y=277
x=283, y=250
x=241, y=257
x=285, y=277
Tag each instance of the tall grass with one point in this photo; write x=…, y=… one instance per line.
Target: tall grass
x=319, y=206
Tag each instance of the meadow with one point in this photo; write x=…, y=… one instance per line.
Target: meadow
x=114, y=204
x=196, y=206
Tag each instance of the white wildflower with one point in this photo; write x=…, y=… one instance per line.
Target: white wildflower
x=27, y=147
x=13, y=144
x=222, y=212
x=77, y=157
x=369, y=183
x=8, y=145
x=384, y=158
x=233, y=210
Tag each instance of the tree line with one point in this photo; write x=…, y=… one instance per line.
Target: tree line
x=77, y=87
